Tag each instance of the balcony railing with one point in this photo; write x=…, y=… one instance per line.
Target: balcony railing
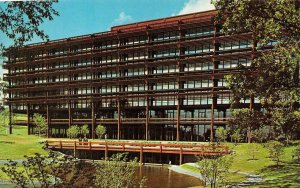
x=127, y=120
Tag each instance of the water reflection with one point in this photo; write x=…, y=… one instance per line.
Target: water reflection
x=158, y=176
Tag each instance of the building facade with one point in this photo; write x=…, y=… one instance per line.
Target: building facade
x=156, y=80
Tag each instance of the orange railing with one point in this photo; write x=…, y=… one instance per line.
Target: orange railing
x=127, y=120
x=185, y=149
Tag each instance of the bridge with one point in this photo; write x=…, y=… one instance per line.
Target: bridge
x=140, y=147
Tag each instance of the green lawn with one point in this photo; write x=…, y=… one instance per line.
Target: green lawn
x=243, y=158
x=3, y=176
x=20, y=117
x=287, y=175
x=233, y=177
x=18, y=144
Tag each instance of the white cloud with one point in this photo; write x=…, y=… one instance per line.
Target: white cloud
x=122, y=19
x=196, y=6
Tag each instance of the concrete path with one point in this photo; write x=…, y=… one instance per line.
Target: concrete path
x=2, y=162
x=6, y=184
x=251, y=178
x=178, y=169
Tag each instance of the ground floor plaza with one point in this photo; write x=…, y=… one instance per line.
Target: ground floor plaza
x=184, y=123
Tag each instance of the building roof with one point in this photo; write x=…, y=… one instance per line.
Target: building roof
x=156, y=23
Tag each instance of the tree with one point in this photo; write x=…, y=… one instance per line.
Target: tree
x=73, y=131
x=40, y=121
x=275, y=150
x=297, y=153
x=236, y=135
x=214, y=171
x=52, y=170
x=253, y=148
x=263, y=134
x=273, y=78
x=244, y=119
x=4, y=119
x=100, y=131
x=117, y=172
x=285, y=121
x=268, y=20
x=3, y=86
x=84, y=130
x=221, y=134
x=20, y=21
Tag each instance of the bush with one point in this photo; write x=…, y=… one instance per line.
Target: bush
x=73, y=131
x=84, y=130
x=100, y=131
x=214, y=171
x=236, y=136
x=52, y=170
x=297, y=153
x=253, y=148
x=221, y=134
x=275, y=150
x=260, y=135
x=117, y=172
x=40, y=122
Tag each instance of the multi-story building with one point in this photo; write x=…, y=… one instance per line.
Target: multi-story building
x=156, y=80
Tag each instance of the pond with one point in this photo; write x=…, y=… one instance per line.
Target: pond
x=157, y=177
x=161, y=176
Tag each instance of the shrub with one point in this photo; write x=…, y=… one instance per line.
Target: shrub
x=40, y=122
x=297, y=153
x=275, y=150
x=221, y=134
x=73, y=131
x=253, y=148
x=100, y=131
x=214, y=171
x=84, y=130
x=236, y=136
x=117, y=172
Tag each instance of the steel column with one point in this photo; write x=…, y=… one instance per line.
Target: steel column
x=70, y=114
x=10, y=119
x=28, y=119
x=93, y=120
x=251, y=97
x=178, y=120
x=147, y=118
x=212, y=119
x=119, y=118
x=48, y=120
x=251, y=110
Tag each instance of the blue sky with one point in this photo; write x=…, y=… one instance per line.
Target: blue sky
x=79, y=17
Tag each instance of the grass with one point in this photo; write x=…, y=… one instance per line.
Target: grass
x=3, y=176
x=20, y=117
x=233, y=176
x=18, y=144
x=243, y=158
x=286, y=175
